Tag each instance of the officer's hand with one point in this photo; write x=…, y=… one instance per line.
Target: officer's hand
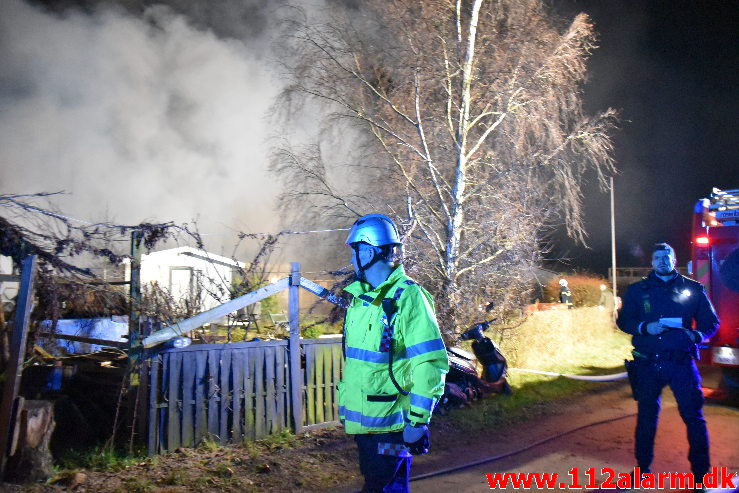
x=655, y=328
x=417, y=439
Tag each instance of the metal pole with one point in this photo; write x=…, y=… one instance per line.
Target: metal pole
x=613, y=247
x=296, y=375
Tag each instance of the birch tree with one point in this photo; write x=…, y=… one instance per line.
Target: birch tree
x=468, y=118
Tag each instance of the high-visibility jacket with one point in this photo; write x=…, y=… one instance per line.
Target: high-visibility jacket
x=368, y=399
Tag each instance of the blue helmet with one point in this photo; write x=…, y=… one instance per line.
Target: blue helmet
x=374, y=229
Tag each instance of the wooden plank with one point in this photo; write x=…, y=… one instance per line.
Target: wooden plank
x=226, y=396
x=201, y=402
x=310, y=386
x=249, y=402
x=327, y=383
x=270, y=411
x=174, y=413
x=237, y=373
x=188, y=399
x=317, y=380
x=14, y=368
x=213, y=394
x=296, y=376
x=163, y=414
x=259, y=424
x=280, y=388
x=142, y=404
x=154, y=388
x=338, y=360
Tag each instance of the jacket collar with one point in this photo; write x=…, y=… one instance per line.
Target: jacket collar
x=652, y=278
x=357, y=287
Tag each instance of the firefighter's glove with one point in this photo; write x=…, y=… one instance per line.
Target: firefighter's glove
x=417, y=439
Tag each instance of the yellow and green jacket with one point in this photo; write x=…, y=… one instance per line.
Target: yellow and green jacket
x=368, y=400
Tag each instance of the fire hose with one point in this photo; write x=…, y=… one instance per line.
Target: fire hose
x=589, y=378
x=594, y=378
x=517, y=451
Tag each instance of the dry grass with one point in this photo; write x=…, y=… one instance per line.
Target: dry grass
x=565, y=341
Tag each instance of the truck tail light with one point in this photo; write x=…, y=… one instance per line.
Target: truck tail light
x=702, y=241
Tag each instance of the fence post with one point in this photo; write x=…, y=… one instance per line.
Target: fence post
x=296, y=377
x=8, y=407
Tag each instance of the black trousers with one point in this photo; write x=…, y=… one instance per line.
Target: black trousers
x=685, y=382
x=384, y=462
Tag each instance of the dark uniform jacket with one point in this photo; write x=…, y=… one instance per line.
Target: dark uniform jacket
x=652, y=298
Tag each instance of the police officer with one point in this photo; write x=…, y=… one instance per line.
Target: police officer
x=668, y=315
x=395, y=359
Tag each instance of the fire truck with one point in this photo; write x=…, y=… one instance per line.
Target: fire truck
x=715, y=264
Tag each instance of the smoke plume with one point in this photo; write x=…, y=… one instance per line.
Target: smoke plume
x=148, y=115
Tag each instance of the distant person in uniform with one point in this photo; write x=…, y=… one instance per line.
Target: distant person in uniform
x=565, y=295
x=668, y=315
x=607, y=302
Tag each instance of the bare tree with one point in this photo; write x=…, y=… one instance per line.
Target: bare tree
x=476, y=107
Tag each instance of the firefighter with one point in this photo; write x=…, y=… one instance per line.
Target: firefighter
x=395, y=359
x=659, y=311
x=565, y=295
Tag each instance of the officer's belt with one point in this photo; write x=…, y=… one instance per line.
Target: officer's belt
x=667, y=355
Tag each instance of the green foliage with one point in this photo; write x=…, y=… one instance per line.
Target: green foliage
x=100, y=459
x=271, y=304
x=137, y=485
x=281, y=440
x=312, y=332
x=173, y=478
x=312, y=329
x=585, y=289
x=208, y=444
x=251, y=448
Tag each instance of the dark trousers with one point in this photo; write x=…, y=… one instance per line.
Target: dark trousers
x=685, y=382
x=385, y=465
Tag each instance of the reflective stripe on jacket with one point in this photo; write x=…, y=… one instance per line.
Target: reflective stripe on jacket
x=368, y=400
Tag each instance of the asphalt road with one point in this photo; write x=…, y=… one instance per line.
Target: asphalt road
x=605, y=445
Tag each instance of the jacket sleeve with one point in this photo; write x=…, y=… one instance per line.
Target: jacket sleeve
x=629, y=318
x=706, y=321
x=428, y=362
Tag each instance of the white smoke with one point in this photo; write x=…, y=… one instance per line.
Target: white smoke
x=136, y=118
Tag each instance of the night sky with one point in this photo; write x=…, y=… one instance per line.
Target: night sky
x=672, y=70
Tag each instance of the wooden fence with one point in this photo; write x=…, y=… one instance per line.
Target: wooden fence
x=239, y=391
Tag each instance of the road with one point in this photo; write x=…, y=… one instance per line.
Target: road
x=609, y=444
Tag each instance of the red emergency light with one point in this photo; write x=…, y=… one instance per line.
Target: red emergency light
x=702, y=241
